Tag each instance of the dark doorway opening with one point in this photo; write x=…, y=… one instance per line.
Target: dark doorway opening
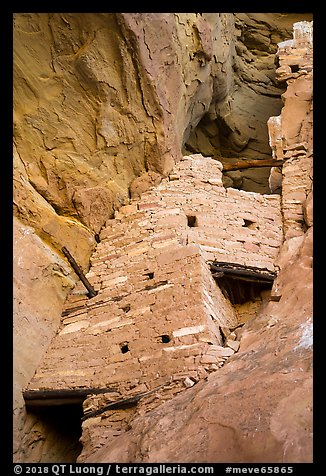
x=240, y=283
x=58, y=432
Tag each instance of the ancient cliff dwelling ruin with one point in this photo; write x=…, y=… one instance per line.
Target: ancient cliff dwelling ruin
x=165, y=227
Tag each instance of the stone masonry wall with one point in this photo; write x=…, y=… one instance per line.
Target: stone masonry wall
x=158, y=314
x=291, y=133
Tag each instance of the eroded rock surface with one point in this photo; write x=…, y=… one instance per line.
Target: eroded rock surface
x=90, y=114
x=41, y=282
x=235, y=125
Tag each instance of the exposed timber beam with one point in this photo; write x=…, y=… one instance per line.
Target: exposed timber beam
x=250, y=163
x=221, y=268
x=37, y=398
x=91, y=291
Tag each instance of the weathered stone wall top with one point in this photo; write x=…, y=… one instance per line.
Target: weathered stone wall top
x=229, y=225
x=303, y=33
x=296, y=56
x=192, y=206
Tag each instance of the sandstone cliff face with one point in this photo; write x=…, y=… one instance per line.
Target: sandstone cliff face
x=41, y=282
x=102, y=111
x=91, y=116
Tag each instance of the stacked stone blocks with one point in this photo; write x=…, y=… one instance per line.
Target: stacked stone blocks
x=158, y=315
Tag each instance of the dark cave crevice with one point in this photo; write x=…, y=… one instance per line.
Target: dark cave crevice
x=214, y=138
